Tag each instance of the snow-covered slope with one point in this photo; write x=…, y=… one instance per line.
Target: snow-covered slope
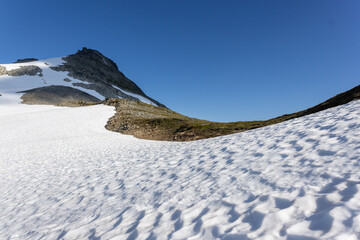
x=87, y=70
x=63, y=176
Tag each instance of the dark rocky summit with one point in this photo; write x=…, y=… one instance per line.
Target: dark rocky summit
x=101, y=74
x=57, y=95
x=24, y=60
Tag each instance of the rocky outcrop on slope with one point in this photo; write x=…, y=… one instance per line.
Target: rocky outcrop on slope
x=25, y=60
x=58, y=96
x=100, y=74
x=23, y=70
x=2, y=70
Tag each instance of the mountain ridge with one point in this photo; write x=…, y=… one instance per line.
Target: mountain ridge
x=154, y=123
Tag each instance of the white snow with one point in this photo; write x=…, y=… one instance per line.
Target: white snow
x=141, y=98
x=49, y=62
x=10, y=104
x=63, y=176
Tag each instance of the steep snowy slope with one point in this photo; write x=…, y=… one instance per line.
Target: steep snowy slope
x=87, y=70
x=63, y=176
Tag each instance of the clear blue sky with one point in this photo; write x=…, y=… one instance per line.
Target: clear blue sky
x=215, y=60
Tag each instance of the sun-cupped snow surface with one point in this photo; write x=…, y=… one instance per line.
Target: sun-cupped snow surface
x=63, y=176
x=48, y=77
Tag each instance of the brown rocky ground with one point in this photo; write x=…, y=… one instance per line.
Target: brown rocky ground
x=156, y=123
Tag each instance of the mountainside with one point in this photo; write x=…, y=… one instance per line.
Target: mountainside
x=87, y=71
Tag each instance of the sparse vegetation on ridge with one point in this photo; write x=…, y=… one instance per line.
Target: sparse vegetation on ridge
x=156, y=123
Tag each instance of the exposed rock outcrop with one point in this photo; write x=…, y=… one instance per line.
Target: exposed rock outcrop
x=2, y=70
x=25, y=70
x=24, y=60
x=58, y=96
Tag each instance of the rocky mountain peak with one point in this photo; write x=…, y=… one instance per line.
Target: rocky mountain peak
x=86, y=70
x=101, y=74
x=96, y=56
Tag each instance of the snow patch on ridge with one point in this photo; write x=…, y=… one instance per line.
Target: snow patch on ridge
x=141, y=98
x=50, y=62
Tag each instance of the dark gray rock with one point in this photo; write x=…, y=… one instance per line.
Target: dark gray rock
x=26, y=60
x=25, y=70
x=57, y=95
x=99, y=73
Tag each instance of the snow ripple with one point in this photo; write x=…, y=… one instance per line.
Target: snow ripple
x=63, y=176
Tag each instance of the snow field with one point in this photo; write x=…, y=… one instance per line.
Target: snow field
x=63, y=176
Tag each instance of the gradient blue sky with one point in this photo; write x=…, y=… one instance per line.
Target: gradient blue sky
x=215, y=60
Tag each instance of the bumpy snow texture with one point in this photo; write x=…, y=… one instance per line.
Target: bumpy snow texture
x=63, y=176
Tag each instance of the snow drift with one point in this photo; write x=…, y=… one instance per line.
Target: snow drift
x=63, y=176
